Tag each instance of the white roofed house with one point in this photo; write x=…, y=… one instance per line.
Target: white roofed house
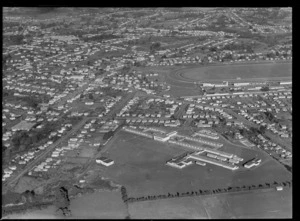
x=23, y=125
x=77, y=77
x=105, y=161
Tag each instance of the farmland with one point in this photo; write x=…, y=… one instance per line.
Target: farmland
x=140, y=167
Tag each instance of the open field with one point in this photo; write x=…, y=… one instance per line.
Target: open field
x=98, y=205
x=233, y=205
x=179, y=208
x=47, y=213
x=140, y=167
x=244, y=71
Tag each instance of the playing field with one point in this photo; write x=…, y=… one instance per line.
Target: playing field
x=232, y=72
x=225, y=206
x=140, y=167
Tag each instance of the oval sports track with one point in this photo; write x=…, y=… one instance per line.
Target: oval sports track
x=188, y=76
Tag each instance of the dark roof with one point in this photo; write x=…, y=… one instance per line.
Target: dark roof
x=101, y=158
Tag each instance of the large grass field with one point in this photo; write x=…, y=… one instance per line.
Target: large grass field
x=98, y=205
x=233, y=205
x=140, y=167
x=244, y=71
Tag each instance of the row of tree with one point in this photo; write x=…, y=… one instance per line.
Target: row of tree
x=124, y=193
x=62, y=201
x=206, y=192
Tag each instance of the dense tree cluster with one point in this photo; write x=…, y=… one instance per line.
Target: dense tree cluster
x=265, y=88
x=62, y=201
x=155, y=46
x=108, y=135
x=28, y=196
x=124, y=193
x=24, y=140
x=270, y=117
x=14, y=39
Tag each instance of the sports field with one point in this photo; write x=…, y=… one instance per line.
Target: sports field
x=140, y=167
x=230, y=205
x=232, y=72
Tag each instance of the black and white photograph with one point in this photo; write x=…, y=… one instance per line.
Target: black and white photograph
x=146, y=112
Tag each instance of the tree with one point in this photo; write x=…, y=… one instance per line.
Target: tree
x=265, y=88
x=91, y=97
x=262, y=129
x=155, y=46
x=108, y=135
x=62, y=200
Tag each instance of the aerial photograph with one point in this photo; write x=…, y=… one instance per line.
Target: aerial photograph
x=146, y=113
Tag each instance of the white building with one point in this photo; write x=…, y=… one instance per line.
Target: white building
x=105, y=161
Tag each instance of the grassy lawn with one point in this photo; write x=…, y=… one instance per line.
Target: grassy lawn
x=140, y=167
x=102, y=205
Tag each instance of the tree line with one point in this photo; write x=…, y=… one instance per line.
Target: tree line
x=200, y=192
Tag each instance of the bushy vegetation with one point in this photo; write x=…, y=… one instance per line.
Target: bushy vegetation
x=155, y=46
x=62, y=201
x=108, y=135
x=24, y=140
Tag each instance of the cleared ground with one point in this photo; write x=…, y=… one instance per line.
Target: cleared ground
x=140, y=167
x=244, y=71
x=234, y=205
